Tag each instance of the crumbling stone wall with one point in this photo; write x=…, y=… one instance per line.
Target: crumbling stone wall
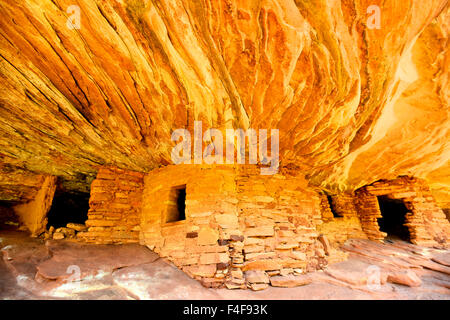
x=241, y=229
x=426, y=222
x=337, y=230
x=197, y=245
x=114, y=207
x=237, y=222
x=278, y=216
x=325, y=209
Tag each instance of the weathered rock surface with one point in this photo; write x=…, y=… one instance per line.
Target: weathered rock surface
x=353, y=104
x=289, y=281
x=256, y=276
x=128, y=274
x=443, y=259
x=58, y=236
x=348, y=272
x=408, y=278
x=90, y=260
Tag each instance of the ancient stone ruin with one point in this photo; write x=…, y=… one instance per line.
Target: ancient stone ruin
x=229, y=226
x=362, y=118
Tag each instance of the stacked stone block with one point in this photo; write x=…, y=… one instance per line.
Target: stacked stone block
x=243, y=229
x=337, y=230
x=369, y=213
x=238, y=222
x=199, y=245
x=327, y=214
x=114, y=207
x=278, y=215
x=426, y=222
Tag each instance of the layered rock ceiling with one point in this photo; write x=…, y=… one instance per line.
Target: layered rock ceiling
x=353, y=104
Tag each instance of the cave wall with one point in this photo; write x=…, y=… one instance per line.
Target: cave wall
x=33, y=214
x=18, y=185
x=353, y=104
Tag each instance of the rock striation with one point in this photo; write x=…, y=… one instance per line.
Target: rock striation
x=354, y=103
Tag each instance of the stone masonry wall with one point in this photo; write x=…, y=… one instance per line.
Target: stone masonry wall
x=278, y=216
x=197, y=245
x=114, y=207
x=325, y=209
x=337, y=230
x=426, y=222
x=242, y=229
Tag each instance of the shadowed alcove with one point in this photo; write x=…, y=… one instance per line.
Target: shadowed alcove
x=331, y=204
x=393, y=219
x=68, y=207
x=8, y=218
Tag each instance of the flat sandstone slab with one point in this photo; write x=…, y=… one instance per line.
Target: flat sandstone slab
x=91, y=259
x=290, y=281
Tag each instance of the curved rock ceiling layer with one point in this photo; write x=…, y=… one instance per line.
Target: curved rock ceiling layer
x=353, y=104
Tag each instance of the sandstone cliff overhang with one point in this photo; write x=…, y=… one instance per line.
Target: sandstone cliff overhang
x=354, y=103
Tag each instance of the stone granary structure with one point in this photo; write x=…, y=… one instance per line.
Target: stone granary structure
x=91, y=92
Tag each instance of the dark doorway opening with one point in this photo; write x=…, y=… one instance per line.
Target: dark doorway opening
x=8, y=219
x=68, y=207
x=330, y=204
x=393, y=219
x=177, y=204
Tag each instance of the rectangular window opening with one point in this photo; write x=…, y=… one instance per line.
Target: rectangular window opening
x=176, y=210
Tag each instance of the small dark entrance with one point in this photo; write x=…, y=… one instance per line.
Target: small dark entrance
x=393, y=219
x=331, y=205
x=8, y=219
x=68, y=207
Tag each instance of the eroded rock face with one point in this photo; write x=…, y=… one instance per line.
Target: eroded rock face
x=353, y=104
